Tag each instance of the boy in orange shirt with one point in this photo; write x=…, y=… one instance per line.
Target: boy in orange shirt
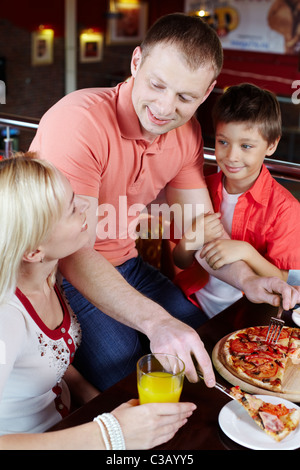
x=260, y=215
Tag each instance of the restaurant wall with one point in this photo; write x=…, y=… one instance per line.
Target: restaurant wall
x=31, y=90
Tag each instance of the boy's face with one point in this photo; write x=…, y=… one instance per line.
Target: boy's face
x=166, y=93
x=240, y=152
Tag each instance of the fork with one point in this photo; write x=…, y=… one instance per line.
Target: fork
x=275, y=326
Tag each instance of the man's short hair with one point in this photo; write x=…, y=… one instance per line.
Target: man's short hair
x=194, y=38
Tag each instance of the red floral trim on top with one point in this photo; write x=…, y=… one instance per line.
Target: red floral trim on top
x=62, y=331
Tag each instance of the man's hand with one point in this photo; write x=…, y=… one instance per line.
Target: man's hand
x=174, y=337
x=271, y=290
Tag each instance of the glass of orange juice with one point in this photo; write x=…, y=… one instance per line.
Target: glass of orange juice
x=160, y=378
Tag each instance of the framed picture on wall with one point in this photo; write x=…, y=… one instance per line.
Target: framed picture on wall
x=91, y=47
x=42, y=47
x=130, y=26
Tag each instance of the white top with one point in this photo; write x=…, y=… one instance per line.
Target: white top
x=33, y=360
x=217, y=295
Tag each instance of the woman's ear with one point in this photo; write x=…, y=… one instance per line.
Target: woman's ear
x=36, y=256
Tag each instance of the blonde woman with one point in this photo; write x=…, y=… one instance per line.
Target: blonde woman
x=42, y=221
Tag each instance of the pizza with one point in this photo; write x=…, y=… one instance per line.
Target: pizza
x=275, y=419
x=247, y=355
x=294, y=346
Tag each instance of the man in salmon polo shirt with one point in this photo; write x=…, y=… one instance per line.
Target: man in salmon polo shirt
x=119, y=147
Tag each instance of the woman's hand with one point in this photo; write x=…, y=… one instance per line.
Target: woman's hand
x=147, y=426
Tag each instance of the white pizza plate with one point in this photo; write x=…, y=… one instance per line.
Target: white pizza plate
x=241, y=428
x=296, y=316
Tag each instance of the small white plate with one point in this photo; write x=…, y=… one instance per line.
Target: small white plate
x=241, y=428
x=296, y=316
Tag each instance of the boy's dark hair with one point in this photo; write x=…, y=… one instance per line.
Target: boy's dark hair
x=248, y=103
x=195, y=39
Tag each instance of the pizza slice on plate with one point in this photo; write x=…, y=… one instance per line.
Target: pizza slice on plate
x=276, y=420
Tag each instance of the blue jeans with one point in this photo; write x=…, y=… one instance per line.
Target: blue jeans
x=109, y=350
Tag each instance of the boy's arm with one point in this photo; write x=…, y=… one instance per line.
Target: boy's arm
x=221, y=252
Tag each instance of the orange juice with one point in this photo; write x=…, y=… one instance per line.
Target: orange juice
x=159, y=387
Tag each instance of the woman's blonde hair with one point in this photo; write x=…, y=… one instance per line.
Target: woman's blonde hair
x=31, y=202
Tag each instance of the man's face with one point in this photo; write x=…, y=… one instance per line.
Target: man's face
x=166, y=93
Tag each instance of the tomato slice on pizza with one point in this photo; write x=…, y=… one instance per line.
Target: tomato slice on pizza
x=246, y=354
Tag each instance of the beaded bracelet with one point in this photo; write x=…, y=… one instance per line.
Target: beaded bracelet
x=103, y=432
x=114, y=431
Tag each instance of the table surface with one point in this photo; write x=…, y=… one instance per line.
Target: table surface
x=202, y=431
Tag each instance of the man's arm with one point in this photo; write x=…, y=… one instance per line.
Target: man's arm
x=92, y=275
x=99, y=282
x=102, y=285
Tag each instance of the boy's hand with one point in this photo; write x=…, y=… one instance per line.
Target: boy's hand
x=205, y=228
x=219, y=252
x=213, y=228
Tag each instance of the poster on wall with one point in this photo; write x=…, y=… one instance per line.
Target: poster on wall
x=91, y=46
x=254, y=25
x=42, y=47
x=131, y=26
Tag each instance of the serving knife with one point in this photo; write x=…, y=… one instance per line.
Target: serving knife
x=218, y=386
